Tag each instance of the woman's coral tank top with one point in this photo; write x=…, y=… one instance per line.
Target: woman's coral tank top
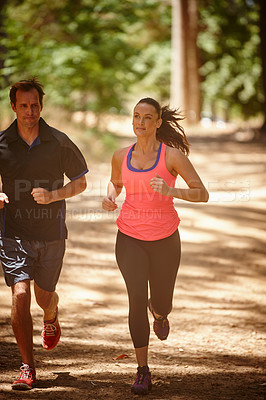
x=146, y=214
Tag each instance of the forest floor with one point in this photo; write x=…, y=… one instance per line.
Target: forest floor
x=216, y=347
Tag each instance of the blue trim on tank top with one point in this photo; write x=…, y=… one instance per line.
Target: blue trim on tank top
x=142, y=170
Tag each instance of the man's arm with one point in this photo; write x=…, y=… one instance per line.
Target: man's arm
x=43, y=196
x=3, y=200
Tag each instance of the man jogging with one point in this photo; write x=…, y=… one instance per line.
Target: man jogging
x=34, y=158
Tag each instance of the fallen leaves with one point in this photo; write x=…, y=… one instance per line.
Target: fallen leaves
x=121, y=357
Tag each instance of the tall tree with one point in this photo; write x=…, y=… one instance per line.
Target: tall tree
x=178, y=70
x=185, y=83
x=193, y=79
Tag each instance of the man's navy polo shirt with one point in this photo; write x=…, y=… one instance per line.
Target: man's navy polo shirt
x=43, y=164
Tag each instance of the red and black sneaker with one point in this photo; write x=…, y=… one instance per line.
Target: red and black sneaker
x=51, y=333
x=26, y=380
x=161, y=325
x=142, y=384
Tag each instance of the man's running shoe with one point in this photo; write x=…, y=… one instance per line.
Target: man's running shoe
x=142, y=383
x=51, y=333
x=161, y=325
x=26, y=379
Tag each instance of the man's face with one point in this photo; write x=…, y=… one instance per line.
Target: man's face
x=27, y=108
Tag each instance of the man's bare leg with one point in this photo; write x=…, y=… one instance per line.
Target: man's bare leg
x=48, y=301
x=21, y=320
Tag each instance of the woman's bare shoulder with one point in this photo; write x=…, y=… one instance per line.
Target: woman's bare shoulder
x=174, y=153
x=118, y=157
x=120, y=154
x=175, y=160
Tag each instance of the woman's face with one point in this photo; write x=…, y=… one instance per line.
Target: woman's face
x=145, y=120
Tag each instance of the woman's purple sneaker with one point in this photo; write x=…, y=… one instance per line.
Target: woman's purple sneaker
x=142, y=384
x=161, y=325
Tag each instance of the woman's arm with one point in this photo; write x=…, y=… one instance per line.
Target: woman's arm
x=115, y=185
x=178, y=164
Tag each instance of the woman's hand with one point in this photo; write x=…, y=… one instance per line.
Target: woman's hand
x=109, y=204
x=160, y=186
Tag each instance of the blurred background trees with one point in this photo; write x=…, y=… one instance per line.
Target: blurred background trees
x=231, y=70
x=98, y=55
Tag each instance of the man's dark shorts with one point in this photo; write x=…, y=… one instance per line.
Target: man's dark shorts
x=38, y=260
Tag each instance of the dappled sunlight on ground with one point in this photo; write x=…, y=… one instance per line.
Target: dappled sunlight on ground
x=216, y=347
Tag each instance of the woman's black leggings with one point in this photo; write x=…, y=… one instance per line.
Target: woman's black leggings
x=141, y=262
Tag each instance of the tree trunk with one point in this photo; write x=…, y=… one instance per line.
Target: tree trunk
x=262, y=4
x=185, y=83
x=193, y=80
x=178, y=73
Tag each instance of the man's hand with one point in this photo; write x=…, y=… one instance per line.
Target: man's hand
x=42, y=196
x=3, y=200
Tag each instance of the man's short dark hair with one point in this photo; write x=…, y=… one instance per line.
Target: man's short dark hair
x=26, y=85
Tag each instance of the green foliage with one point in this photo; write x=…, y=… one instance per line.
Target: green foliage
x=95, y=54
x=85, y=52
x=229, y=47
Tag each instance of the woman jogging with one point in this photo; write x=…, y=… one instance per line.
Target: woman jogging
x=148, y=243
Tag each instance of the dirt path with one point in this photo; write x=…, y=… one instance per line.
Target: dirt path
x=216, y=348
